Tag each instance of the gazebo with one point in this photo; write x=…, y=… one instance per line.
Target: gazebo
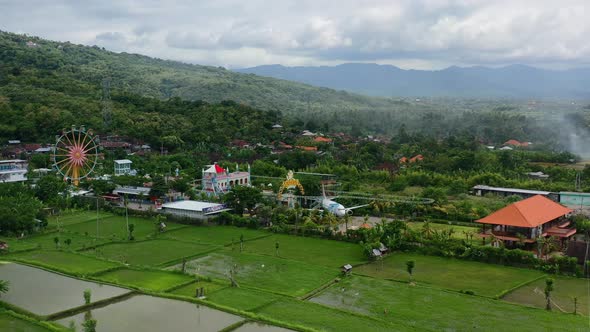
x=527, y=220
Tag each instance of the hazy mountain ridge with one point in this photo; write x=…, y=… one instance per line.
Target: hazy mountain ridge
x=165, y=79
x=515, y=81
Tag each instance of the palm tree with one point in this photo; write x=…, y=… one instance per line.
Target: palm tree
x=427, y=231
x=410, y=267
x=4, y=286
x=346, y=220
x=548, y=290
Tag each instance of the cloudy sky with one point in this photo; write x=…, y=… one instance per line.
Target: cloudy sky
x=421, y=34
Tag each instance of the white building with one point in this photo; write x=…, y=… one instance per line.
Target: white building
x=13, y=170
x=133, y=193
x=193, y=209
x=123, y=167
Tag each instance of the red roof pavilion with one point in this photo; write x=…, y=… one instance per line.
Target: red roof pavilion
x=529, y=213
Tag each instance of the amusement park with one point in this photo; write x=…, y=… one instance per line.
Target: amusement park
x=77, y=153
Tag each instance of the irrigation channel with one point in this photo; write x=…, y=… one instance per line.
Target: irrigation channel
x=58, y=297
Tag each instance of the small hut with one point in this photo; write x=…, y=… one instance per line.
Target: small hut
x=347, y=269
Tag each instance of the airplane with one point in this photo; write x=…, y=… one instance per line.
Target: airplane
x=336, y=208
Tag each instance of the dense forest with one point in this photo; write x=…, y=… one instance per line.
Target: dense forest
x=50, y=85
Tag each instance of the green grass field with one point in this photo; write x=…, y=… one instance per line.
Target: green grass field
x=565, y=289
x=11, y=323
x=219, y=235
x=323, y=318
x=150, y=253
x=430, y=309
x=190, y=289
x=46, y=241
x=327, y=253
x=114, y=228
x=458, y=230
x=75, y=216
x=242, y=298
x=264, y=272
x=65, y=261
x=483, y=279
x=151, y=280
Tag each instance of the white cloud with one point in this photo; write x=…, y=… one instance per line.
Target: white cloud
x=244, y=33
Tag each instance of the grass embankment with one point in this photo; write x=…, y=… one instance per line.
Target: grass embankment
x=150, y=253
x=483, y=279
x=270, y=273
x=190, y=289
x=430, y=309
x=13, y=322
x=64, y=261
x=242, y=298
x=151, y=280
x=324, y=318
x=218, y=235
x=565, y=290
x=328, y=253
x=114, y=228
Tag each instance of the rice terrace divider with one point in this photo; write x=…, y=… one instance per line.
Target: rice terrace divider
x=43, y=326
x=295, y=251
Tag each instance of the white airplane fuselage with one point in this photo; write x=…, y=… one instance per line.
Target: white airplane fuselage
x=335, y=208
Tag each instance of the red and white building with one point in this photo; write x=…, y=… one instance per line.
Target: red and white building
x=217, y=180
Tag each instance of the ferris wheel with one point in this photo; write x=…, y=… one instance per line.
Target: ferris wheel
x=75, y=154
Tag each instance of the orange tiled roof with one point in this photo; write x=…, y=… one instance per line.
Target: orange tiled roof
x=416, y=158
x=307, y=148
x=513, y=142
x=320, y=139
x=528, y=213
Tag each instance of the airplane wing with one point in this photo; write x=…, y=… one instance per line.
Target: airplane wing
x=357, y=207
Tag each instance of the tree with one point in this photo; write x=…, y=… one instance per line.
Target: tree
x=241, y=242
x=4, y=286
x=56, y=241
x=277, y=248
x=548, y=290
x=87, y=296
x=410, y=268
x=181, y=185
x=18, y=208
x=89, y=325
x=131, y=228
x=159, y=186
x=68, y=242
x=49, y=187
x=242, y=197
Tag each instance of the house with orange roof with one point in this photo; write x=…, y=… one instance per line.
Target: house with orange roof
x=307, y=148
x=416, y=158
x=321, y=139
x=516, y=143
x=527, y=220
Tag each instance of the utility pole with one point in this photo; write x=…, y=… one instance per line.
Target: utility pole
x=96, y=217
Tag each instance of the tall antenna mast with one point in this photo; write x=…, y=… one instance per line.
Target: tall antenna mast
x=106, y=104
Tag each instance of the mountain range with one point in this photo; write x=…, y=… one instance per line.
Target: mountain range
x=164, y=79
x=515, y=81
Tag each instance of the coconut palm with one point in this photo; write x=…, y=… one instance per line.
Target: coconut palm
x=427, y=230
x=548, y=290
x=4, y=286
